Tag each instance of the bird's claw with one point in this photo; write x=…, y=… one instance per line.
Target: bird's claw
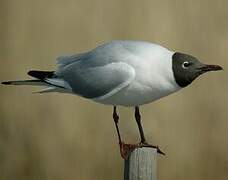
x=126, y=149
x=145, y=144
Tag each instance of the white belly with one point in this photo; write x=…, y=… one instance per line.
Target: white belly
x=138, y=94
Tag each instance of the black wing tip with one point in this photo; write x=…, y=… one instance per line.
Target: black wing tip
x=41, y=74
x=6, y=83
x=29, y=73
x=32, y=72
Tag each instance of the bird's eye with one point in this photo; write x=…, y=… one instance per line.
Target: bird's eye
x=185, y=65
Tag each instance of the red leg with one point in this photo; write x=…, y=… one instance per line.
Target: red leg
x=126, y=149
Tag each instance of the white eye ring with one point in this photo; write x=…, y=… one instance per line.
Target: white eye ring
x=185, y=65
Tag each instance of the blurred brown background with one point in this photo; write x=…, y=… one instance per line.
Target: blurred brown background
x=57, y=136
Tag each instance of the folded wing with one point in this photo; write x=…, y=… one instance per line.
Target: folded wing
x=99, y=81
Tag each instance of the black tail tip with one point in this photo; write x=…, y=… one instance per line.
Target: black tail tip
x=6, y=83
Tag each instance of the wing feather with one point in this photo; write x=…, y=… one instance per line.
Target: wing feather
x=99, y=81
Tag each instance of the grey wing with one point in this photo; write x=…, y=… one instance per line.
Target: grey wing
x=64, y=61
x=98, y=81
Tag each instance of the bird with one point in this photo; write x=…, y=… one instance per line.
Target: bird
x=121, y=73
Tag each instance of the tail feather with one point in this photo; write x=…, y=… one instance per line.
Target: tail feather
x=53, y=89
x=25, y=82
x=44, y=78
x=47, y=90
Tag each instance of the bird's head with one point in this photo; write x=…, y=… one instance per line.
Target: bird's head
x=187, y=68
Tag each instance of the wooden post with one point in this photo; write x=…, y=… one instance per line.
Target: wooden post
x=141, y=164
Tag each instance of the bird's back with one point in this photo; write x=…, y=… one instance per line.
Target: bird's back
x=114, y=51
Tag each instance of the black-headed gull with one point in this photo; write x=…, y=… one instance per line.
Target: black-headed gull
x=126, y=73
